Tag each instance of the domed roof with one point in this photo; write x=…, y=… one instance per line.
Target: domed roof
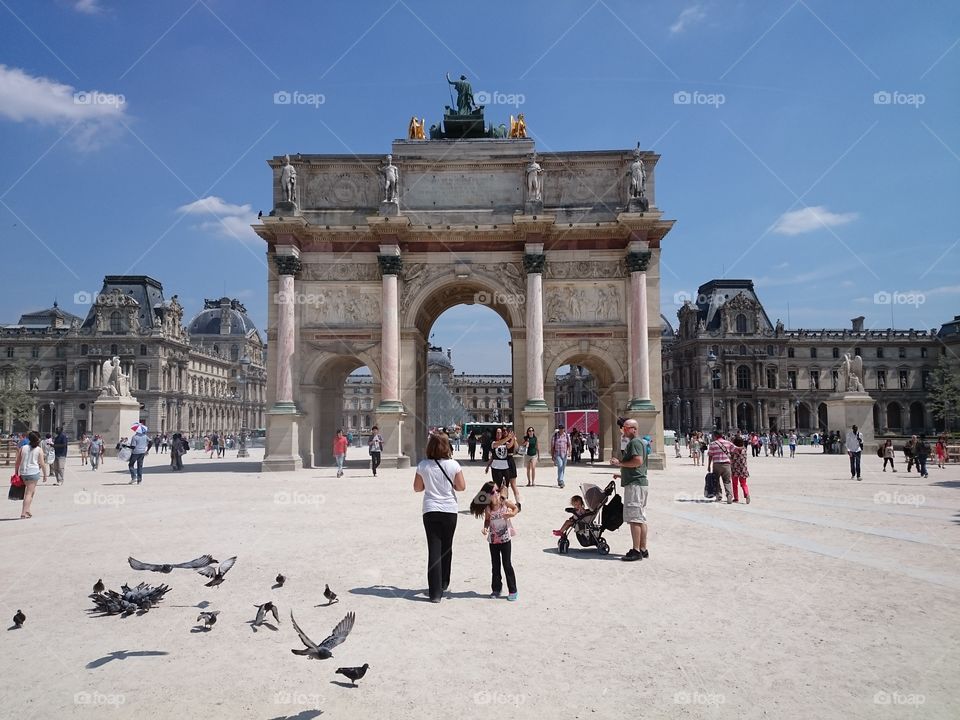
x=667, y=329
x=215, y=313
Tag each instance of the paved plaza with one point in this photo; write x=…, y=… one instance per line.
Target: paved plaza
x=824, y=598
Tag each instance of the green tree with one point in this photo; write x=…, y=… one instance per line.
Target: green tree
x=944, y=397
x=16, y=401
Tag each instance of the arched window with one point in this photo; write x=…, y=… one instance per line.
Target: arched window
x=115, y=324
x=113, y=349
x=741, y=322
x=216, y=349
x=743, y=378
x=771, y=378
x=770, y=350
x=836, y=353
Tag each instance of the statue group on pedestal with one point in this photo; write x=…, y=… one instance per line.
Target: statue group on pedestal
x=116, y=383
x=850, y=377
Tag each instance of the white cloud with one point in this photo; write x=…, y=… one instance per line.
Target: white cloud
x=691, y=15
x=88, y=7
x=92, y=113
x=223, y=218
x=797, y=222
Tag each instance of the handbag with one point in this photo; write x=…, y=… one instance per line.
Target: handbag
x=17, y=488
x=124, y=454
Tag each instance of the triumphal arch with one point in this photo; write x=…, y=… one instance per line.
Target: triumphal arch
x=366, y=252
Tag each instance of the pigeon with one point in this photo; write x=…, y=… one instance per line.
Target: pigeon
x=19, y=619
x=259, y=214
x=262, y=610
x=353, y=673
x=218, y=573
x=322, y=651
x=129, y=600
x=202, y=561
x=330, y=595
x=280, y=580
x=209, y=619
x=98, y=586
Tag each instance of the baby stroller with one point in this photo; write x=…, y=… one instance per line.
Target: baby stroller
x=602, y=514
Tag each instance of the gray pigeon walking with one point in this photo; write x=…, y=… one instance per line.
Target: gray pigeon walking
x=98, y=586
x=217, y=573
x=19, y=618
x=322, y=651
x=262, y=610
x=353, y=673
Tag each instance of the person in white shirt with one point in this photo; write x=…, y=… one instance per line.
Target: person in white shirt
x=854, y=445
x=375, y=446
x=31, y=463
x=438, y=478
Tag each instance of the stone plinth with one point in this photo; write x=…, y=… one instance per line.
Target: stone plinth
x=390, y=419
x=647, y=420
x=389, y=209
x=282, y=451
x=844, y=410
x=286, y=208
x=113, y=418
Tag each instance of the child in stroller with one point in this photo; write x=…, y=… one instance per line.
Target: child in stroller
x=585, y=518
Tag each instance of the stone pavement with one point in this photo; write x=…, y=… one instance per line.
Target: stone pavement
x=824, y=598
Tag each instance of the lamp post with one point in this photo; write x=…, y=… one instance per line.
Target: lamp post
x=796, y=415
x=242, y=379
x=52, y=405
x=676, y=411
x=712, y=364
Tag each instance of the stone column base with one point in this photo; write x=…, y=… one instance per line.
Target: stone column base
x=541, y=420
x=390, y=424
x=647, y=425
x=282, y=453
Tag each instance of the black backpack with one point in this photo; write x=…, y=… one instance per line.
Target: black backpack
x=613, y=514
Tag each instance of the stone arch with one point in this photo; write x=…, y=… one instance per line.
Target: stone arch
x=612, y=385
x=917, y=420
x=803, y=417
x=321, y=385
x=418, y=314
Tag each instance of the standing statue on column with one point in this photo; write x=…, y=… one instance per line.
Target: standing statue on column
x=638, y=176
x=534, y=180
x=464, y=95
x=288, y=180
x=391, y=181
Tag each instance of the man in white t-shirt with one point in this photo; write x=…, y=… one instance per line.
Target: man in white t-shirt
x=854, y=443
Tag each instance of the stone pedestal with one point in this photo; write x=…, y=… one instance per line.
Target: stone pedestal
x=533, y=207
x=638, y=205
x=112, y=418
x=390, y=423
x=389, y=209
x=647, y=425
x=286, y=208
x=282, y=451
x=844, y=410
x=542, y=421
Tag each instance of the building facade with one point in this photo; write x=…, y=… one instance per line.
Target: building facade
x=183, y=382
x=728, y=366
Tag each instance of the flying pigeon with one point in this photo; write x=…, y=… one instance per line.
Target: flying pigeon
x=98, y=586
x=262, y=610
x=209, y=619
x=322, y=651
x=218, y=573
x=202, y=561
x=280, y=580
x=353, y=673
x=330, y=595
x=19, y=619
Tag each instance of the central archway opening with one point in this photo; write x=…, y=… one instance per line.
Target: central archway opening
x=459, y=362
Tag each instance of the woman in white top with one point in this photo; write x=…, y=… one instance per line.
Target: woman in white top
x=31, y=463
x=438, y=477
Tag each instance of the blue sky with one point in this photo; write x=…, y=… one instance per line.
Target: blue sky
x=809, y=145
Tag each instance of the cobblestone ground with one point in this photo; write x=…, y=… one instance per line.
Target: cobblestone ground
x=823, y=598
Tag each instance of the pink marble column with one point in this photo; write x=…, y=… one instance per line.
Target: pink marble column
x=287, y=268
x=390, y=265
x=637, y=332
x=533, y=264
